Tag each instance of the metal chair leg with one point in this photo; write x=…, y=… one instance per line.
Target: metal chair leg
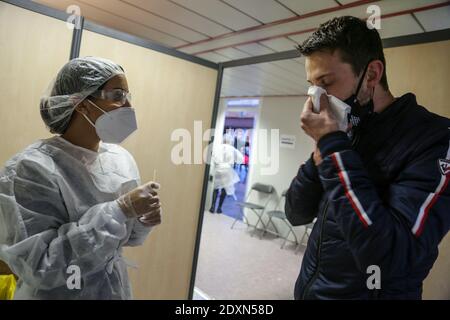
x=304, y=235
x=255, y=227
x=285, y=239
x=293, y=233
x=258, y=221
x=234, y=222
x=243, y=219
x=265, y=229
x=275, y=227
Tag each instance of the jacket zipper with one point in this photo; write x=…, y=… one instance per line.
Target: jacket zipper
x=324, y=215
x=316, y=272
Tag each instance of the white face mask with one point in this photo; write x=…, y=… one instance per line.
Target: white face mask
x=114, y=126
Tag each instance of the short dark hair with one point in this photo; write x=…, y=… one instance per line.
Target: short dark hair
x=357, y=44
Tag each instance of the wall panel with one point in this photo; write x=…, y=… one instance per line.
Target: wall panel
x=33, y=48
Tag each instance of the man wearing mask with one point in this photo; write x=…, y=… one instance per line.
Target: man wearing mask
x=379, y=189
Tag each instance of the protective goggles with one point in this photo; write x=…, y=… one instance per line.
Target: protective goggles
x=116, y=95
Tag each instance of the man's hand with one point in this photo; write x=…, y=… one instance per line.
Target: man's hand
x=317, y=157
x=316, y=125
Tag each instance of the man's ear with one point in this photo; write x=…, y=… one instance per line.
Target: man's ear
x=374, y=73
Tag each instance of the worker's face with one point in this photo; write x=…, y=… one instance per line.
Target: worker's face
x=117, y=82
x=327, y=70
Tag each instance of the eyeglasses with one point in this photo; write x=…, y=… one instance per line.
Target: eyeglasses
x=116, y=95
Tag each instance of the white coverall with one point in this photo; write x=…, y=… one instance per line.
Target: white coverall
x=58, y=209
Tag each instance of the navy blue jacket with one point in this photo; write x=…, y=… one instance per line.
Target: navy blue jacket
x=381, y=199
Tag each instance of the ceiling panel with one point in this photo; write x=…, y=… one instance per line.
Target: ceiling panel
x=238, y=87
x=299, y=25
x=174, y=12
x=399, y=26
x=116, y=22
x=256, y=74
x=275, y=71
x=255, y=49
x=145, y=18
x=435, y=19
x=263, y=10
x=291, y=66
x=298, y=69
x=209, y=25
x=247, y=92
x=212, y=56
x=300, y=38
x=288, y=80
x=219, y=12
x=234, y=89
x=303, y=7
x=387, y=7
x=285, y=76
x=280, y=44
x=233, y=53
x=175, y=23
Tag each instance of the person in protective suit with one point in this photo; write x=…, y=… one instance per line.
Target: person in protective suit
x=70, y=203
x=224, y=157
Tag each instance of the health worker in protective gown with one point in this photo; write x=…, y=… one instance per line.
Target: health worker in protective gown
x=70, y=203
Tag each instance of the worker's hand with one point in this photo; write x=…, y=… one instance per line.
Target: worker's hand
x=140, y=201
x=153, y=218
x=316, y=125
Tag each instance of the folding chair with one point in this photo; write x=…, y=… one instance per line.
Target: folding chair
x=308, y=230
x=308, y=227
x=281, y=215
x=257, y=209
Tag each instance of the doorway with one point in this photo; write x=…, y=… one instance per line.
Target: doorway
x=239, y=126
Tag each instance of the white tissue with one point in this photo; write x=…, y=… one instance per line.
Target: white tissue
x=340, y=109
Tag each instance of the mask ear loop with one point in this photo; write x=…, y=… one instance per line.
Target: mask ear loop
x=361, y=82
x=371, y=105
x=88, y=100
x=86, y=117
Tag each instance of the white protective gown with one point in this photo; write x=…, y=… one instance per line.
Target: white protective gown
x=224, y=157
x=58, y=209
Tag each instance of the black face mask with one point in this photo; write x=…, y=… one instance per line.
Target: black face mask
x=359, y=113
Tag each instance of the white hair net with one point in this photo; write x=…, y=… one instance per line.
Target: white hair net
x=78, y=79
